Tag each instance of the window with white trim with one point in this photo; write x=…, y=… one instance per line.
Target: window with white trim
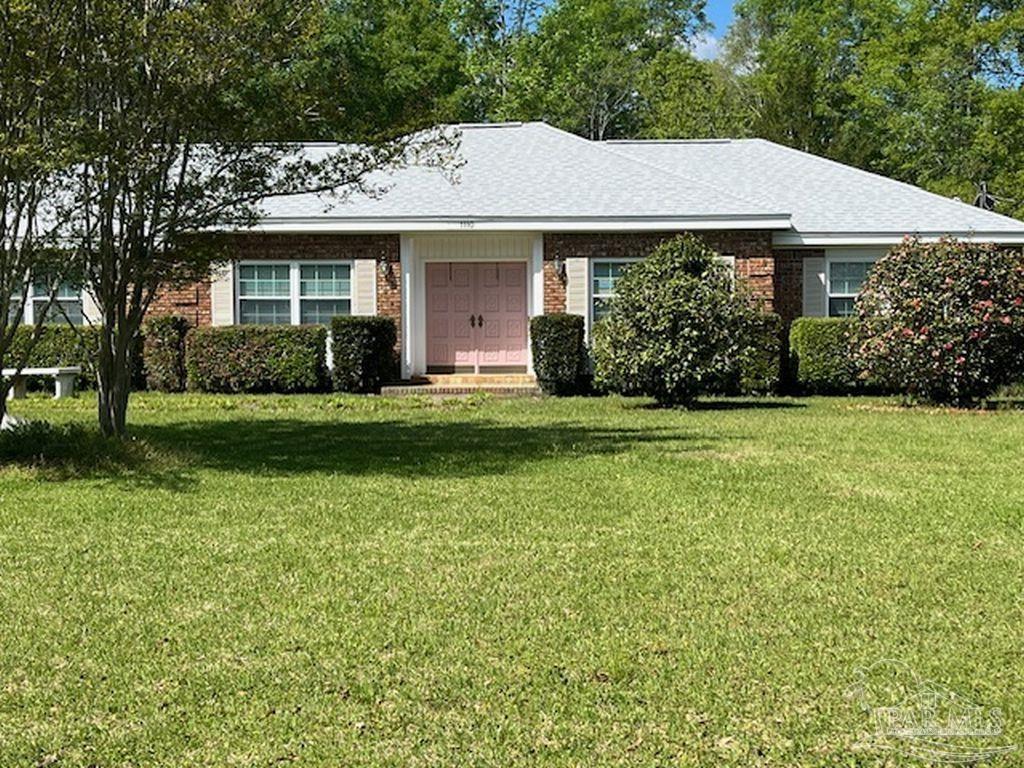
x=293, y=293
x=605, y=275
x=325, y=290
x=67, y=307
x=845, y=279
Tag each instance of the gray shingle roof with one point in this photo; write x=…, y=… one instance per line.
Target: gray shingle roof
x=821, y=195
x=531, y=173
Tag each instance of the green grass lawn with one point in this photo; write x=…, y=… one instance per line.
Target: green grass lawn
x=329, y=581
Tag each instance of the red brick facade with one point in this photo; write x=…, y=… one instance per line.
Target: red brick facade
x=755, y=260
x=191, y=302
x=554, y=286
x=775, y=276
x=789, y=282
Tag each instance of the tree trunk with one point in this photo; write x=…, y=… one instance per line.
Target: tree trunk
x=113, y=378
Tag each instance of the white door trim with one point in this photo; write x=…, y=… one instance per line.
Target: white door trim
x=418, y=249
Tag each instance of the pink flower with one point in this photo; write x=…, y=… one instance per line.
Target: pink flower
x=947, y=346
x=961, y=360
x=1006, y=320
x=1018, y=301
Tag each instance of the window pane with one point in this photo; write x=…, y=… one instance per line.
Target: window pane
x=64, y=291
x=840, y=307
x=264, y=280
x=61, y=312
x=607, y=274
x=14, y=311
x=331, y=280
x=320, y=311
x=264, y=312
x=847, y=277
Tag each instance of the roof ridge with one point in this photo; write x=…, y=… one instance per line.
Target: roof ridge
x=880, y=177
x=724, y=140
x=604, y=146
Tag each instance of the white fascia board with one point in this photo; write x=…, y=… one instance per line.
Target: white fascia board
x=835, y=239
x=596, y=224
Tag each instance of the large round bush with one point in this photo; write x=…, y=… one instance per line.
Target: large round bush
x=678, y=326
x=943, y=322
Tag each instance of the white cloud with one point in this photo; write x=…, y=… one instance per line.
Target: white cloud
x=706, y=47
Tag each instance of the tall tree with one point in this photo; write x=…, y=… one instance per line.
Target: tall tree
x=35, y=72
x=490, y=32
x=928, y=91
x=180, y=105
x=582, y=67
x=681, y=97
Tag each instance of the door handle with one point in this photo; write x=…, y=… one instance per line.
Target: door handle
x=472, y=321
x=480, y=320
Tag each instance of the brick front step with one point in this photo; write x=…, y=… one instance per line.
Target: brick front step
x=477, y=380
x=500, y=385
x=433, y=390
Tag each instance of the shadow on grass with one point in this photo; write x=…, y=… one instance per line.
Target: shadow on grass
x=759, y=404
x=406, y=449
x=73, y=451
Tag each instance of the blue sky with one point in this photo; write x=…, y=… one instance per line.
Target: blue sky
x=720, y=14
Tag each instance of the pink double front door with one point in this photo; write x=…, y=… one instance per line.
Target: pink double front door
x=476, y=317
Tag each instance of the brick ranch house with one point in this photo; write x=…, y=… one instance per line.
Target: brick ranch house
x=538, y=220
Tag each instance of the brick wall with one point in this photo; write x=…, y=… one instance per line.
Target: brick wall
x=789, y=283
x=774, y=276
x=191, y=302
x=554, y=288
x=755, y=260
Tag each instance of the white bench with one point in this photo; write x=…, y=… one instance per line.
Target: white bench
x=64, y=380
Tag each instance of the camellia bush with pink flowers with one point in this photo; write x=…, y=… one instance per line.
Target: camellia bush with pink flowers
x=943, y=322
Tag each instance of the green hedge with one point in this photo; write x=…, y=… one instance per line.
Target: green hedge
x=821, y=355
x=364, y=353
x=163, y=353
x=63, y=345
x=251, y=359
x=559, y=354
x=761, y=368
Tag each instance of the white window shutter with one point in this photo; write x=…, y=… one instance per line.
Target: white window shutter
x=364, y=287
x=576, y=288
x=222, y=295
x=815, y=297
x=90, y=309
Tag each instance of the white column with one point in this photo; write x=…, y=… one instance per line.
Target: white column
x=405, y=250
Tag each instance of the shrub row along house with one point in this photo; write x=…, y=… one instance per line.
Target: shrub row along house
x=536, y=221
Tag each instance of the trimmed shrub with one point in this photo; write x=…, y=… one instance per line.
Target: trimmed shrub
x=761, y=365
x=822, y=355
x=254, y=359
x=943, y=322
x=163, y=354
x=364, y=353
x=678, y=327
x=559, y=354
x=63, y=345
x=58, y=345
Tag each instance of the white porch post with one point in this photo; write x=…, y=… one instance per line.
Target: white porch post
x=405, y=254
